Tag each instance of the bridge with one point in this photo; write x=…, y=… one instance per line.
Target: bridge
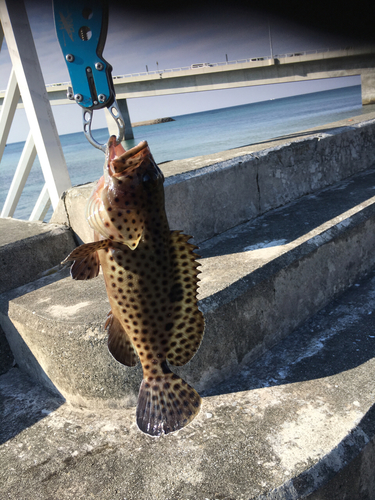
x=291, y=67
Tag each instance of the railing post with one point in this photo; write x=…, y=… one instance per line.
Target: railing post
x=38, y=110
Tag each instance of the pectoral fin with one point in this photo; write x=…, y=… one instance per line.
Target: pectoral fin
x=86, y=263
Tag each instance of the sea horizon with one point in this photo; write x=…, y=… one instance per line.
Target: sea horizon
x=191, y=135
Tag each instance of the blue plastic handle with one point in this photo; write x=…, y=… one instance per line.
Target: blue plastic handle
x=81, y=28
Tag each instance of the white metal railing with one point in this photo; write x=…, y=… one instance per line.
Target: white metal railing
x=26, y=80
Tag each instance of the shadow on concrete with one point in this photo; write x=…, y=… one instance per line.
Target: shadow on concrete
x=24, y=401
x=338, y=338
x=294, y=220
x=346, y=471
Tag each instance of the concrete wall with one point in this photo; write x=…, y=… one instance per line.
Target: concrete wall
x=244, y=186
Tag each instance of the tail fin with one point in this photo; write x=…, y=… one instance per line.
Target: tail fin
x=166, y=404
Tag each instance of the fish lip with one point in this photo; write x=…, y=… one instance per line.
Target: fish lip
x=111, y=155
x=133, y=151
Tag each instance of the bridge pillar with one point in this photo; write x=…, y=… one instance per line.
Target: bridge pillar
x=112, y=127
x=368, y=87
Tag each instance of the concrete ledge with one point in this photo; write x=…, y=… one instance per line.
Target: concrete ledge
x=208, y=195
x=260, y=281
x=298, y=423
x=27, y=249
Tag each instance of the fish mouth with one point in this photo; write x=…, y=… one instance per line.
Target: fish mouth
x=117, y=156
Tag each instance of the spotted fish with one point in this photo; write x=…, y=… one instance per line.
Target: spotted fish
x=151, y=279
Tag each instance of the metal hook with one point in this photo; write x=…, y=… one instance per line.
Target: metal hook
x=87, y=120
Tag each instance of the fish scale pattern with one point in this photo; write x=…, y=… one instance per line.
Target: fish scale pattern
x=151, y=278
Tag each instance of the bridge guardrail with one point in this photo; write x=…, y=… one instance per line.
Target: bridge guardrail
x=216, y=64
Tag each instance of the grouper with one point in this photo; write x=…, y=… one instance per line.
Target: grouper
x=151, y=279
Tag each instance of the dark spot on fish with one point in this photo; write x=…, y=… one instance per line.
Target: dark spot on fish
x=117, y=200
x=168, y=326
x=150, y=355
x=109, y=209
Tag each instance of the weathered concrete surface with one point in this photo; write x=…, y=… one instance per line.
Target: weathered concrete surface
x=259, y=281
x=6, y=355
x=27, y=249
x=210, y=194
x=298, y=423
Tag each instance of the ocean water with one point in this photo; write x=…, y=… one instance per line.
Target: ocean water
x=191, y=135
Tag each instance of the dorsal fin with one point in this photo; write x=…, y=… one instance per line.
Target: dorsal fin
x=119, y=344
x=186, y=324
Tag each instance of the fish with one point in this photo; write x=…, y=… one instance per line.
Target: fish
x=151, y=279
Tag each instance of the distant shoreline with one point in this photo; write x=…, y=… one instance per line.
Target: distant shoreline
x=153, y=122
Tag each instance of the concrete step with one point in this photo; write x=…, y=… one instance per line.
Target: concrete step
x=27, y=249
x=208, y=195
x=296, y=424
x=260, y=281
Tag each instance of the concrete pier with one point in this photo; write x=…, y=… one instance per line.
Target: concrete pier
x=286, y=365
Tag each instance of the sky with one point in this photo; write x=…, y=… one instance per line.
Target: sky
x=183, y=33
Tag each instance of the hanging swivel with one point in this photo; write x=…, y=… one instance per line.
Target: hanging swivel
x=81, y=28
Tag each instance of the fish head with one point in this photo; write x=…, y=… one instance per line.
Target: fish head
x=132, y=182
